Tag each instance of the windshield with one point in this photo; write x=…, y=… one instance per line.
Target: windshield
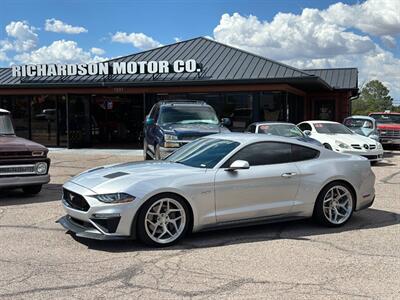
x=6, y=127
x=358, y=123
x=188, y=115
x=386, y=118
x=285, y=130
x=203, y=153
x=332, y=128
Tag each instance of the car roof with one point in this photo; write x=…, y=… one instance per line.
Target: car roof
x=360, y=117
x=272, y=123
x=4, y=111
x=385, y=113
x=320, y=121
x=182, y=103
x=246, y=138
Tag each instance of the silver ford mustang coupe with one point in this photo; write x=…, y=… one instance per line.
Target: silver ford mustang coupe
x=221, y=180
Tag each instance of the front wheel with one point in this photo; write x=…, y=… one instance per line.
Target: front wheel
x=32, y=189
x=334, y=205
x=163, y=220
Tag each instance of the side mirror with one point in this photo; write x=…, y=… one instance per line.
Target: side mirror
x=238, y=165
x=226, y=122
x=307, y=132
x=149, y=121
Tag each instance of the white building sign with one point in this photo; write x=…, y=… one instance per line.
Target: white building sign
x=105, y=68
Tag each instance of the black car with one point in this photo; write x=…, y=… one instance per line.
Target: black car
x=171, y=124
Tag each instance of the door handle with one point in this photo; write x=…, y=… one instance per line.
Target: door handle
x=288, y=175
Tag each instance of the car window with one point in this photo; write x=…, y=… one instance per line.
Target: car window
x=188, y=115
x=332, y=128
x=358, y=123
x=264, y=153
x=300, y=153
x=305, y=126
x=203, y=153
x=286, y=130
x=6, y=127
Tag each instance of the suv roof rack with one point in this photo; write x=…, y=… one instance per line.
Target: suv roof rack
x=183, y=101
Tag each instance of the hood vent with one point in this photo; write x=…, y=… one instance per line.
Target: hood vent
x=115, y=175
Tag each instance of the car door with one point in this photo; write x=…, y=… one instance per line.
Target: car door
x=267, y=188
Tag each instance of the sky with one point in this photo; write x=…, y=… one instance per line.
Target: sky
x=301, y=33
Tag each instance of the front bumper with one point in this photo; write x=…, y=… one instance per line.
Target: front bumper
x=374, y=155
x=21, y=181
x=110, y=220
x=84, y=230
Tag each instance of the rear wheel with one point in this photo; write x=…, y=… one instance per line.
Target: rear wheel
x=163, y=220
x=334, y=205
x=32, y=189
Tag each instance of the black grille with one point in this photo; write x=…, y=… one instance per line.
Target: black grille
x=371, y=156
x=75, y=201
x=14, y=154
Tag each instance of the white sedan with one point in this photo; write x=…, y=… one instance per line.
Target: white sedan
x=339, y=138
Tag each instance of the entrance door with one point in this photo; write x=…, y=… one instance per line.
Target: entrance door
x=117, y=121
x=324, y=110
x=268, y=188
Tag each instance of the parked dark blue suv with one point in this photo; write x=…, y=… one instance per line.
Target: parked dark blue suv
x=171, y=124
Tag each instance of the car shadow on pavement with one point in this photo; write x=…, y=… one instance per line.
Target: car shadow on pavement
x=295, y=230
x=49, y=193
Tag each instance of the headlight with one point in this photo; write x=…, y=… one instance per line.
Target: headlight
x=169, y=138
x=379, y=146
x=41, y=168
x=342, y=145
x=115, y=198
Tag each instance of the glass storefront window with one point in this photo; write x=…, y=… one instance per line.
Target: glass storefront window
x=19, y=108
x=273, y=106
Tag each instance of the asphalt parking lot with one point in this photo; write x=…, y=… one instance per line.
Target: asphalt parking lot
x=292, y=260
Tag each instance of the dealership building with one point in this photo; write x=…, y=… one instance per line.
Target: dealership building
x=104, y=104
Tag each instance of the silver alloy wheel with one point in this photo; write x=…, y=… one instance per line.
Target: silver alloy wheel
x=165, y=220
x=338, y=204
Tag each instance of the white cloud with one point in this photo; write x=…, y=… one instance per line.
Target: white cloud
x=389, y=41
x=324, y=38
x=177, y=39
x=61, y=51
x=54, y=25
x=138, y=40
x=23, y=34
x=97, y=51
x=375, y=17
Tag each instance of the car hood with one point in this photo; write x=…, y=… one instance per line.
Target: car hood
x=352, y=139
x=363, y=131
x=124, y=175
x=11, y=143
x=193, y=130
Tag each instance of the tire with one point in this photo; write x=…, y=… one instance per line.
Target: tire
x=374, y=163
x=325, y=209
x=32, y=189
x=146, y=156
x=156, y=228
x=327, y=146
